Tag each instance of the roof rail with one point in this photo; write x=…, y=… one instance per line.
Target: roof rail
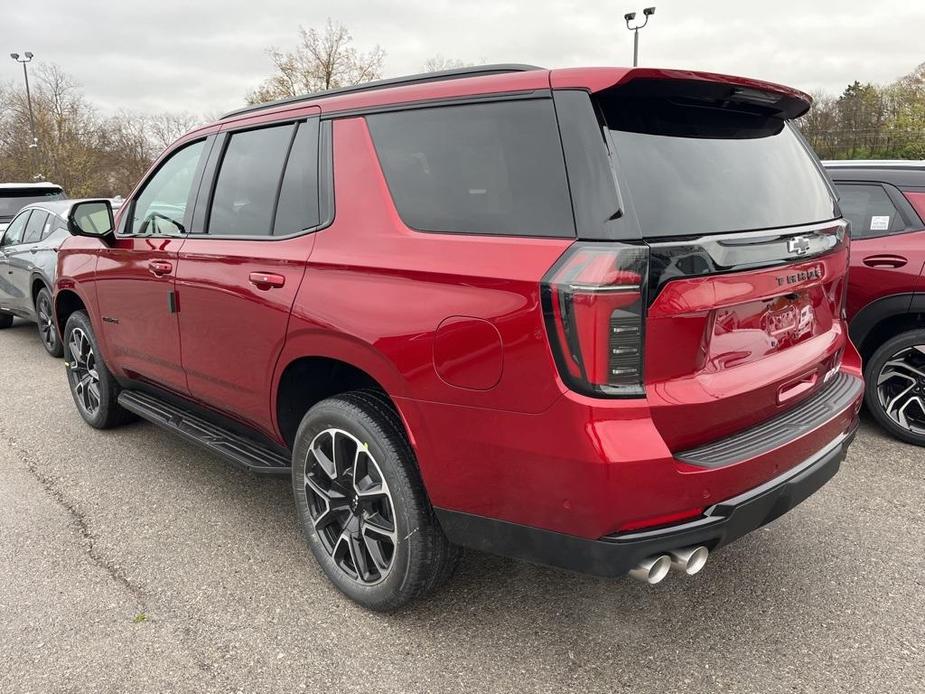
x=440, y=75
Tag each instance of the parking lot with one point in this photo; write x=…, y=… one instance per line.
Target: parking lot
x=130, y=560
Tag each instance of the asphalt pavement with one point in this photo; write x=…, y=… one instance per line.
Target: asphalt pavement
x=131, y=561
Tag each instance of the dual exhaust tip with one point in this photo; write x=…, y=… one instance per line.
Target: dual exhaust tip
x=689, y=560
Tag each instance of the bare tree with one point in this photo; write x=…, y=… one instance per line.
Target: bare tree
x=324, y=59
x=163, y=129
x=439, y=62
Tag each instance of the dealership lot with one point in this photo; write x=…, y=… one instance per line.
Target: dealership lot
x=130, y=560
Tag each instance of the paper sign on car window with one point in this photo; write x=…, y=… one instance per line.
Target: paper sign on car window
x=880, y=223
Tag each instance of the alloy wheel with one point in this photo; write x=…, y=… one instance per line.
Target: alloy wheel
x=350, y=506
x=47, y=330
x=901, y=388
x=85, y=380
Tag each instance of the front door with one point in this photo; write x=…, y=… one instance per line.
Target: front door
x=136, y=272
x=11, y=299
x=237, y=281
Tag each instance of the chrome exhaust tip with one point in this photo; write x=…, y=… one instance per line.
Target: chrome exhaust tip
x=689, y=560
x=652, y=570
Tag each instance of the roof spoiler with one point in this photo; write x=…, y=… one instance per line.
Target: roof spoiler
x=729, y=90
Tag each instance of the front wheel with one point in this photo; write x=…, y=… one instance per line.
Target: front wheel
x=93, y=387
x=45, y=319
x=362, y=506
x=895, y=386
x=6, y=320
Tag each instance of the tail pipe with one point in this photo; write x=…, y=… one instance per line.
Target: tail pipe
x=688, y=560
x=653, y=569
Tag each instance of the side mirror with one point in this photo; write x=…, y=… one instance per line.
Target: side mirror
x=91, y=218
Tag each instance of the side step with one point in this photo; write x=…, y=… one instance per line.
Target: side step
x=249, y=454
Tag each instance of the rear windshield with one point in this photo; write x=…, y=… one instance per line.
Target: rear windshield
x=12, y=201
x=695, y=170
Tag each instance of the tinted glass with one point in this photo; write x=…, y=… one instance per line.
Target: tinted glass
x=485, y=168
x=694, y=171
x=161, y=206
x=14, y=231
x=34, y=228
x=298, y=198
x=248, y=181
x=13, y=200
x=869, y=209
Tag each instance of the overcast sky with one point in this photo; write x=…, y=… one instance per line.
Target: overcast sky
x=203, y=56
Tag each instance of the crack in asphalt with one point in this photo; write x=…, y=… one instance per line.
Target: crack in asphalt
x=78, y=520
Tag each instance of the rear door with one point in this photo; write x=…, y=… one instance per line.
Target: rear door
x=136, y=272
x=887, y=242
x=747, y=254
x=239, y=274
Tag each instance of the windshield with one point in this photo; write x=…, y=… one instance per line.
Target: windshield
x=691, y=170
x=12, y=201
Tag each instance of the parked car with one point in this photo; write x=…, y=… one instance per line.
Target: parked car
x=588, y=318
x=28, y=259
x=15, y=196
x=885, y=204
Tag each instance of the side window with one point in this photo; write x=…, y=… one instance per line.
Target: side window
x=33, y=232
x=248, y=181
x=869, y=209
x=161, y=206
x=15, y=230
x=298, y=198
x=492, y=168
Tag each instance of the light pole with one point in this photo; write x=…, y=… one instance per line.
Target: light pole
x=27, y=58
x=629, y=17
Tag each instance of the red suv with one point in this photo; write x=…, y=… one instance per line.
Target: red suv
x=590, y=318
x=884, y=201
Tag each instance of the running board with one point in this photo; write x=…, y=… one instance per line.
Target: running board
x=242, y=451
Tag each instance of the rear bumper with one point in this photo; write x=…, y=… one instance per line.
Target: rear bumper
x=614, y=555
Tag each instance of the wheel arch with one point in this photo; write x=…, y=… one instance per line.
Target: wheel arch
x=317, y=367
x=882, y=319
x=66, y=302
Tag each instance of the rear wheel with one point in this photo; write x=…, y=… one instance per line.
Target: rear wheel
x=895, y=388
x=45, y=319
x=362, y=505
x=93, y=387
x=6, y=320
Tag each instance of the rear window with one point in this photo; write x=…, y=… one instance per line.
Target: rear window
x=492, y=168
x=694, y=169
x=12, y=200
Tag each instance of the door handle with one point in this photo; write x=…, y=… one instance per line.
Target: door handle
x=891, y=261
x=267, y=280
x=160, y=268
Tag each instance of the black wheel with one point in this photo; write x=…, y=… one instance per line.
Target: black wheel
x=895, y=386
x=45, y=319
x=6, y=320
x=94, y=389
x=362, y=506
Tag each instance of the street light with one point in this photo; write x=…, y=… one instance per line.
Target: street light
x=27, y=58
x=629, y=17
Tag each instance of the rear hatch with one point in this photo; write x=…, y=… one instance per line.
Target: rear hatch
x=736, y=269
x=747, y=256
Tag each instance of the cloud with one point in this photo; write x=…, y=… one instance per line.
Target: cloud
x=204, y=56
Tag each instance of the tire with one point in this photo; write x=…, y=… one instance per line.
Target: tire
x=93, y=387
x=44, y=316
x=373, y=533
x=895, y=380
x=6, y=320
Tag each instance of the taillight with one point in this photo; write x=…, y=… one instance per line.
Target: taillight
x=593, y=300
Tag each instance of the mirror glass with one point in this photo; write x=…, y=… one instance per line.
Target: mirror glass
x=93, y=218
